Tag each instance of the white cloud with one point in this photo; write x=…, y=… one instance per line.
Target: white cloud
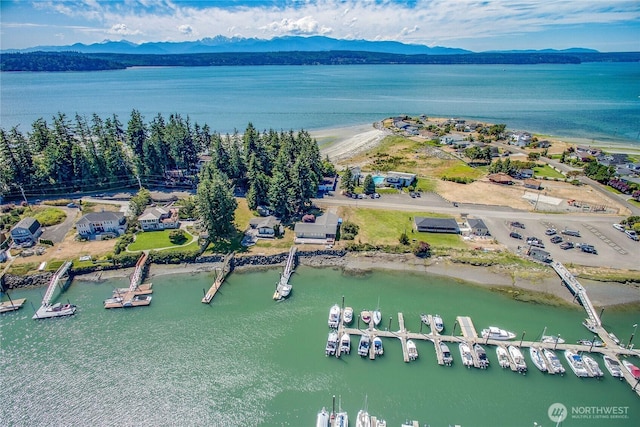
x=185, y=29
x=306, y=26
x=123, y=30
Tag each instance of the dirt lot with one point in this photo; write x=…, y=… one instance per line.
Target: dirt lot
x=70, y=249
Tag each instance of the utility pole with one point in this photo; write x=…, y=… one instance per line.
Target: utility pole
x=23, y=196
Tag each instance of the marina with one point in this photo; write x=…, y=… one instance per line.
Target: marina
x=137, y=294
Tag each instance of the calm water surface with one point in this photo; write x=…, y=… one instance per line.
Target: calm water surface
x=245, y=360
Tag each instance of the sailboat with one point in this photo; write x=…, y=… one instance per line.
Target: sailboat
x=342, y=418
x=363, y=419
x=376, y=315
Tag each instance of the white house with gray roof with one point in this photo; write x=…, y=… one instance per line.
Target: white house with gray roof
x=95, y=225
x=26, y=231
x=322, y=231
x=159, y=218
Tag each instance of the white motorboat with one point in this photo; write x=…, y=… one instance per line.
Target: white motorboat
x=424, y=318
x=363, y=345
x=412, y=350
x=495, y=333
x=465, y=354
x=363, y=419
x=322, y=419
x=438, y=324
x=613, y=367
x=283, y=288
x=556, y=366
x=518, y=358
x=446, y=354
x=345, y=343
x=592, y=366
x=594, y=343
x=347, y=315
x=635, y=371
x=503, y=357
x=590, y=325
x=332, y=343
x=377, y=346
x=54, y=310
x=376, y=316
x=334, y=316
x=483, y=361
x=341, y=419
x=537, y=358
x=614, y=338
x=365, y=315
x=550, y=339
x=576, y=364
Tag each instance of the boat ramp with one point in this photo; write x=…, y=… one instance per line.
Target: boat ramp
x=136, y=294
x=61, y=279
x=227, y=267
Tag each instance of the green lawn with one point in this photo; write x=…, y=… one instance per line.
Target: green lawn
x=156, y=240
x=462, y=170
x=547, y=171
x=49, y=216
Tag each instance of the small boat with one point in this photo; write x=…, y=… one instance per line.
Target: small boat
x=588, y=323
x=345, y=343
x=613, y=367
x=365, y=315
x=55, y=310
x=576, y=364
x=363, y=419
x=550, y=339
x=503, y=357
x=323, y=418
x=424, y=318
x=556, y=366
x=347, y=315
x=283, y=288
x=114, y=300
x=483, y=361
x=412, y=350
x=332, y=343
x=635, y=371
x=377, y=346
x=537, y=359
x=497, y=334
x=614, y=338
x=438, y=324
x=465, y=354
x=595, y=343
x=341, y=419
x=592, y=366
x=376, y=316
x=334, y=316
x=446, y=354
x=363, y=345
x=518, y=358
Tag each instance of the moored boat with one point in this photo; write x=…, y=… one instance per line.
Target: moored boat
x=595, y=343
x=465, y=354
x=365, y=315
x=376, y=316
x=576, y=364
x=341, y=419
x=438, y=324
x=283, y=288
x=550, y=339
x=537, y=359
x=377, y=346
x=54, y=310
x=363, y=419
x=518, y=358
x=332, y=343
x=446, y=354
x=347, y=315
x=592, y=366
x=424, y=318
x=363, y=345
x=556, y=366
x=483, y=361
x=412, y=350
x=495, y=333
x=590, y=325
x=345, y=343
x=614, y=338
x=503, y=357
x=613, y=367
x=334, y=316
x=635, y=371
x=322, y=420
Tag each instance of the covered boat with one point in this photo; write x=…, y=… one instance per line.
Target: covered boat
x=550, y=339
x=518, y=358
x=424, y=318
x=365, y=315
x=495, y=333
x=347, y=315
x=377, y=346
x=332, y=343
x=446, y=354
x=613, y=367
x=503, y=357
x=412, y=350
x=556, y=366
x=363, y=345
x=334, y=316
x=483, y=361
x=537, y=359
x=345, y=343
x=576, y=364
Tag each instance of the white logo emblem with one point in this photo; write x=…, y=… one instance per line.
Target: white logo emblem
x=557, y=412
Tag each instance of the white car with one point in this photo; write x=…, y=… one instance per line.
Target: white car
x=632, y=235
x=618, y=227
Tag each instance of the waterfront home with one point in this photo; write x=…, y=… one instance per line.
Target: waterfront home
x=26, y=231
x=97, y=225
x=159, y=218
x=266, y=227
x=478, y=227
x=328, y=184
x=521, y=139
x=399, y=179
x=322, y=231
x=436, y=225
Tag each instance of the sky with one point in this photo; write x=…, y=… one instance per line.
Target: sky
x=476, y=25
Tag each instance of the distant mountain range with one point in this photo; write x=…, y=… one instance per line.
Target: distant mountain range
x=221, y=44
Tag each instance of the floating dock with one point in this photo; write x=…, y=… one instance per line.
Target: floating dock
x=283, y=288
x=137, y=294
x=60, y=278
x=227, y=267
x=11, y=305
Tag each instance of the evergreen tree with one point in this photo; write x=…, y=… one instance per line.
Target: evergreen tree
x=136, y=137
x=347, y=182
x=216, y=204
x=369, y=185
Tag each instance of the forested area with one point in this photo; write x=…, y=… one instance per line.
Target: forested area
x=278, y=169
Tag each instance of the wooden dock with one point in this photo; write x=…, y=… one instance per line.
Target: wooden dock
x=137, y=294
x=11, y=305
x=402, y=334
x=221, y=275
x=467, y=329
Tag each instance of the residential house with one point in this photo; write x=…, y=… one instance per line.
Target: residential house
x=159, y=218
x=525, y=173
x=26, y=231
x=521, y=139
x=96, y=225
x=323, y=231
x=328, y=184
x=266, y=227
x=399, y=179
x=478, y=227
x=436, y=225
x=533, y=184
x=500, y=178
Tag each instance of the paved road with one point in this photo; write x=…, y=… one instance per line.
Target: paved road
x=57, y=232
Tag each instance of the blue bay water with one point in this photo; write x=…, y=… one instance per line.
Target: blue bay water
x=246, y=360
x=591, y=101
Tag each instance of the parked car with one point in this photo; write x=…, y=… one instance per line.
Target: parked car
x=412, y=194
x=515, y=235
x=588, y=249
x=536, y=243
x=619, y=227
x=556, y=239
x=632, y=235
x=517, y=224
x=72, y=205
x=574, y=233
x=566, y=245
x=550, y=231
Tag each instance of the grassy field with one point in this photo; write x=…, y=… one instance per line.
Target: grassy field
x=462, y=170
x=547, y=171
x=156, y=240
x=384, y=227
x=49, y=216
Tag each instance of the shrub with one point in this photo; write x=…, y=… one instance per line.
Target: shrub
x=404, y=239
x=348, y=236
x=349, y=227
x=177, y=237
x=422, y=249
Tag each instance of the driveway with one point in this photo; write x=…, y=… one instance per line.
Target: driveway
x=56, y=233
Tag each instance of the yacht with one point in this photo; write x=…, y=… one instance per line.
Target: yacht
x=592, y=366
x=550, y=339
x=497, y=334
x=635, y=371
x=613, y=367
x=347, y=315
x=424, y=318
x=575, y=363
x=595, y=343
x=537, y=359
x=332, y=343
x=334, y=316
x=345, y=343
x=412, y=350
x=465, y=354
x=322, y=419
x=446, y=354
x=503, y=357
x=556, y=366
x=341, y=419
x=483, y=361
x=54, y=310
x=365, y=315
x=377, y=346
x=518, y=358
x=363, y=419
x=363, y=346
x=438, y=324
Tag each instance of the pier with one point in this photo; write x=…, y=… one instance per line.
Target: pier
x=226, y=268
x=61, y=279
x=11, y=305
x=283, y=288
x=580, y=293
x=136, y=294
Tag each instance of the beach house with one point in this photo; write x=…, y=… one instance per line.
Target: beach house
x=322, y=231
x=26, y=231
x=436, y=225
x=159, y=218
x=98, y=225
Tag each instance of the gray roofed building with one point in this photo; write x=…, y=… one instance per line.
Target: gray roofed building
x=322, y=231
x=159, y=218
x=27, y=230
x=266, y=226
x=478, y=227
x=95, y=224
x=436, y=225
